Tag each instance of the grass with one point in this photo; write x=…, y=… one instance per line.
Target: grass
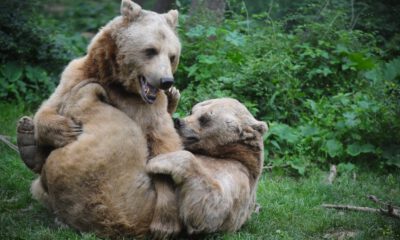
x=290, y=205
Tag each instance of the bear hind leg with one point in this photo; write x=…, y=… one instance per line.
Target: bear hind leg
x=32, y=155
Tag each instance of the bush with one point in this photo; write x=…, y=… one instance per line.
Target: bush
x=29, y=55
x=36, y=46
x=326, y=91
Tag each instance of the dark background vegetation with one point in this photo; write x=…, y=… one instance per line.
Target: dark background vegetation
x=325, y=75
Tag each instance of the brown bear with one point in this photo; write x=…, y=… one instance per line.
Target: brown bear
x=217, y=174
x=98, y=183
x=133, y=58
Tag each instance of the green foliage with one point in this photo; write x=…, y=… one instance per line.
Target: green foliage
x=26, y=84
x=21, y=39
x=327, y=93
x=35, y=45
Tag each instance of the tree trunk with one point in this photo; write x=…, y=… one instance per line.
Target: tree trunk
x=160, y=6
x=163, y=6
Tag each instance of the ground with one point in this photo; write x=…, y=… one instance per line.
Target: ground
x=290, y=205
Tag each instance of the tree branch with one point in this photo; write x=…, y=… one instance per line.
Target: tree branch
x=391, y=211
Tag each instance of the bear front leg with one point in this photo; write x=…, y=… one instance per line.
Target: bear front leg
x=173, y=96
x=203, y=203
x=165, y=222
x=178, y=165
x=53, y=129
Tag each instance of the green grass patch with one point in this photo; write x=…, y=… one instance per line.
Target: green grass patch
x=291, y=206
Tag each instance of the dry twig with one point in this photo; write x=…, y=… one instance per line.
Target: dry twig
x=350, y=207
x=270, y=167
x=5, y=139
x=389, y=209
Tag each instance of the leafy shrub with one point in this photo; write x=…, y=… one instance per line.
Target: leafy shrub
x=22, y=40
x=327, y=93
x=26, y=84
x=29, y=55
x=35, y=46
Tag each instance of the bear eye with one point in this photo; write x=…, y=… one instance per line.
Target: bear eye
x=151, y=52
x=204, y=120
x=172, y=58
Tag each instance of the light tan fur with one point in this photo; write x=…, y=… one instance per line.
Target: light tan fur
x=117, y=58
x=96, y=183
x=218, y=174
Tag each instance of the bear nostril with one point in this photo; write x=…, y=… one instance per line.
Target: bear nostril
x=166, y=83
x=177, y=123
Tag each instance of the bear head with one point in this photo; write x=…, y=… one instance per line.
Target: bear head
x=216, y=123
x=139, y=50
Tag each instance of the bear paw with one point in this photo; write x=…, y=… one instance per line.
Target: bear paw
x=26, y=142
x=68, y=131
x=173, y=96
x=165, y=227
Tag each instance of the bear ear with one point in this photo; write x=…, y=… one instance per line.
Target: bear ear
x=172, y=18
x=260, y=127
x=130, y=10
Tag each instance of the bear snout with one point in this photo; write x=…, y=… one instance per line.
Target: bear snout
x=166, y=83
x=177, y=123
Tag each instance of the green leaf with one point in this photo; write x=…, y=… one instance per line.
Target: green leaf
x=276, y=144
x=284, y=132
x=346, y=167
x=309, y=130
x=12, y=72
x=313, y=105
x=333, y=147
x=196, y=31
x=235, y=38
x=392, y=69
x=351, y=119
x=361, y=62
x=36, y=74
x=191, y=70
x=211, y=31
x=299, y=165
x=392, y=155
x=207, y=59
x=356, y=149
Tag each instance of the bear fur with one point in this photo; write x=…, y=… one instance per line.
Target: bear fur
x=133, y=57
x=217, y=174
x=96, y=183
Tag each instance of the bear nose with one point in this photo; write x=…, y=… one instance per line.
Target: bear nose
x=166, y=83
x=177, y=123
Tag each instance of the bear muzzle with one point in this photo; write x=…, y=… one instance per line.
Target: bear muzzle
x=166, y=83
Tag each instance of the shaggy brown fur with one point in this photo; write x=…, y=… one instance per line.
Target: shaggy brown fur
x=217, y=179
x=129, y=58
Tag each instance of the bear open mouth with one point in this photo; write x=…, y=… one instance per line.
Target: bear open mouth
x=147, y=91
